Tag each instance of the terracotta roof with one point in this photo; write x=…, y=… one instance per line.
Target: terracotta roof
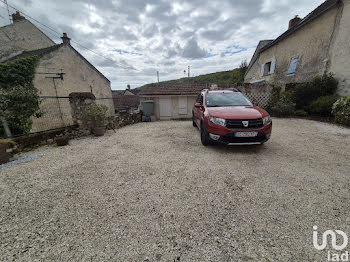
x=118, y=92
x=171, y=90
x=124, y=102
x=324, y=7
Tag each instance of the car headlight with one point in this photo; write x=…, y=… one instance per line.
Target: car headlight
x=218, y=121
x=267, y=120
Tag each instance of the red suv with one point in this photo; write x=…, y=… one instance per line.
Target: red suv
x=228, y=117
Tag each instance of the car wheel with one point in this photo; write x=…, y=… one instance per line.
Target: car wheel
x=204, y=136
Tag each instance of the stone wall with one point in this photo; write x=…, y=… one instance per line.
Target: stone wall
x=20, y=36
x=79, y=76
x=310, y=43
x=339, y=54
x=6, y=150
x=123, y=119
x=79, y=102
x=28, y=142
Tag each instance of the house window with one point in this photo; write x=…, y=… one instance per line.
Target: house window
x=268, y=68
x=293, y=65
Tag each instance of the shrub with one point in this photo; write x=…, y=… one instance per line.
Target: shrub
x=96, y=114
x=300, y=112
x=284, y=106
x=341, y=110
x=275, y=97
x=306, y=93
x=323, y=105
x=19, y=99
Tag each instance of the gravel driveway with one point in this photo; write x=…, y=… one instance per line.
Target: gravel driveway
x=152, y=192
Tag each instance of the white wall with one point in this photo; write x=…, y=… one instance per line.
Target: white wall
x=174, y=104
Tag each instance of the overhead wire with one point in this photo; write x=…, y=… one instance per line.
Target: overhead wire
x=57, y=34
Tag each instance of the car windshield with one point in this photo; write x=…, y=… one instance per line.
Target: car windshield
x=226, y=99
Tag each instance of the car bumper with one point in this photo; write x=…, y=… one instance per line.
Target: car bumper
x=231, y=139
x=223, y=135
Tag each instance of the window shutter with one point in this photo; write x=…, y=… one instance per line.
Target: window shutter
x=262, y=69
x=293, y=65
x=273, y=66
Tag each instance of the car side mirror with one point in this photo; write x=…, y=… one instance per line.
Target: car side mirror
x=255, y=103
x=197, y=105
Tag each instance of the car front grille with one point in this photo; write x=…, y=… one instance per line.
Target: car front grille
x=238, y=124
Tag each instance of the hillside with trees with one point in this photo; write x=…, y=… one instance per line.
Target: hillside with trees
x=221, y=78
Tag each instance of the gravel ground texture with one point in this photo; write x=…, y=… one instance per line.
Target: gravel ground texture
x=152, y=192
x=21, y=159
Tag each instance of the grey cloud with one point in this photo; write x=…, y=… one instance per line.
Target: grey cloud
x=169, y=63
x=169, y=39
x=150, y=31
x=215, y=35
x=193, y=51
x=123, y=34
x=187, y=34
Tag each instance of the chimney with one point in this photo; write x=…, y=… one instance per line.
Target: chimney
x=17, y=17
x=293, y=22
x=65, y=39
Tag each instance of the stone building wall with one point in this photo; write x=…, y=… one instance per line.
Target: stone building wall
x=339, y=55
x=20, y=36
x=79, y=76
x=310, y=43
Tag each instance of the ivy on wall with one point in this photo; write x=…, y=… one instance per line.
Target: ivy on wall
x=19, y=98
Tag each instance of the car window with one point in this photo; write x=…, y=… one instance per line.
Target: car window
x=226, y=99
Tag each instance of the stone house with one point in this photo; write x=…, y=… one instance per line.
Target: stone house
x=316, y=44
x=22, y=39
x=171, y=101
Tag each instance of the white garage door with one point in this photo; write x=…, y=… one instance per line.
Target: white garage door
x=165, y=107
x=182, y=105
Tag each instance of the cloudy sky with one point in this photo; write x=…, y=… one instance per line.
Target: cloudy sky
x=142, y=37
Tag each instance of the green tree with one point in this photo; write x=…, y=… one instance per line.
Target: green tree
x=19, y=98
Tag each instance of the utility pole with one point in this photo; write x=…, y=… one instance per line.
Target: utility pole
x=158, y=76
x=188, y=74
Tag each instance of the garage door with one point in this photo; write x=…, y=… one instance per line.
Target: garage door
x=165, y=107
x=182, y=105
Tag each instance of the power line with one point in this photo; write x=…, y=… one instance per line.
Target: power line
x=8, y=10
x=59, y=35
